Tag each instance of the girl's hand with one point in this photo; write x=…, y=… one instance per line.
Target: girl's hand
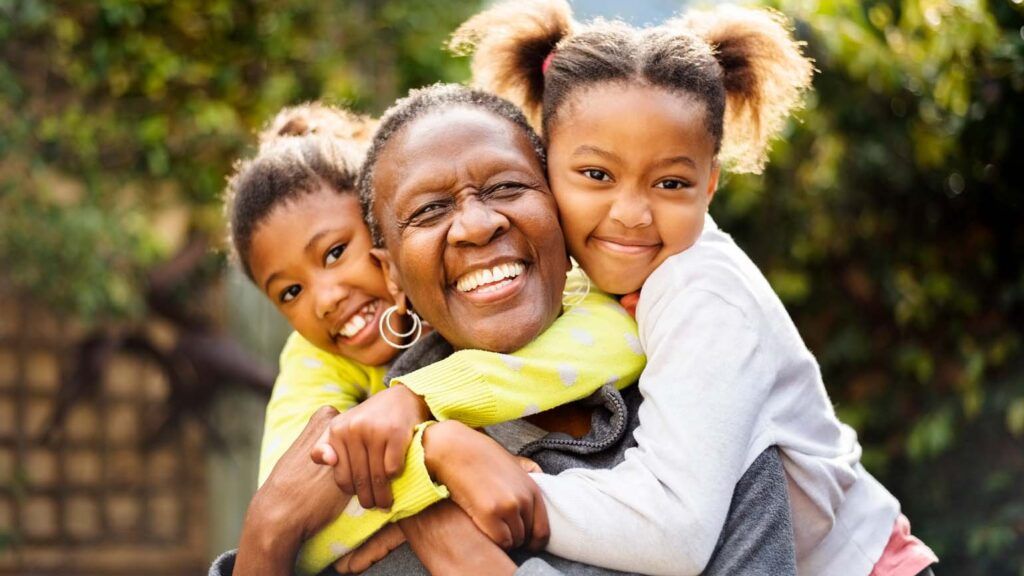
x=372, y=551
x=366, y=445
x=488, y=483
x=297, y=499
x=446, y=542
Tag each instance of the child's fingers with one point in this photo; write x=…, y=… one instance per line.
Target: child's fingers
x=394, y=456
x=528, y=466
x=541, y=530
x=324, y=455
x=380, y=484
x=517, y=526
x=343, y=471
x=357, y=460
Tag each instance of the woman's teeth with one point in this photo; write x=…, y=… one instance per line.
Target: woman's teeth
x=359, y=320
x=497, y=276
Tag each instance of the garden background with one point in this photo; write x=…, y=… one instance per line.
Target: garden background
x=890, y=221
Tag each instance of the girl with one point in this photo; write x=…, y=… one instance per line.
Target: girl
x=297, y=231
x=637, y=123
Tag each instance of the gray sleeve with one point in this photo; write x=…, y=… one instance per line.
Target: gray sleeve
x=224, y=564
x=403, y=562
x=758, y=534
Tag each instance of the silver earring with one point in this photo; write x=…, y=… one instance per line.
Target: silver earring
x=385, y=324
x=580, y=287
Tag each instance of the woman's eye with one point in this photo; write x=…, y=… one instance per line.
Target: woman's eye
x=334, y=254
x=595, y=174
x=673, y=184
x=427, y=213
x=505, y=190
x=290, y=293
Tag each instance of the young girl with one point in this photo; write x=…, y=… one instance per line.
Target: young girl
x=637, y=123
x=297, y=231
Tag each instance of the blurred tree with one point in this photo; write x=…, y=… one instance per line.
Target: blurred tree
x=118, y=123
x=890, y=221
x=119, y=120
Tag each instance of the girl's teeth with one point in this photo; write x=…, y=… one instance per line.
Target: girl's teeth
x=501, y=275
x=359, y=320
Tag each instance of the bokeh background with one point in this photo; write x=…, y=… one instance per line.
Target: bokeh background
x=134, y=363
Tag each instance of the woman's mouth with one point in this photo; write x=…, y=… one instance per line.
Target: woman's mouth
x=356, y=328
x=490, y=284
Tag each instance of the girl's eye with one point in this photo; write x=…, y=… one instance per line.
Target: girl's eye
x=595, y=174
x=290, y=293
x=673, y=184
x=334, y=254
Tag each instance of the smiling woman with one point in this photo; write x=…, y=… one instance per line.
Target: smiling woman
x=472, y=234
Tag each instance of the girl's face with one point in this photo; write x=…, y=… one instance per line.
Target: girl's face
x=471, y=228
x=633, y=170
x=311, y=257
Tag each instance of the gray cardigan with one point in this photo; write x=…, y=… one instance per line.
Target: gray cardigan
x=757, y=538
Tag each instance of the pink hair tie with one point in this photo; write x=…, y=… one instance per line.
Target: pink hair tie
x=547, y=62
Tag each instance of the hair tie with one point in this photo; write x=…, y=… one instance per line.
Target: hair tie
x=547, y=62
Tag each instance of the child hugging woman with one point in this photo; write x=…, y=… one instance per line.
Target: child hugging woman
x=637, y=124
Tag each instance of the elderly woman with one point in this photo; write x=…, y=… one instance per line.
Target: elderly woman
x=455, y=182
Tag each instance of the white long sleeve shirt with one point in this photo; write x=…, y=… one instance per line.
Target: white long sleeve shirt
x=727, y=376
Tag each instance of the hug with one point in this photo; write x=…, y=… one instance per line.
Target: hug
x=459, y=398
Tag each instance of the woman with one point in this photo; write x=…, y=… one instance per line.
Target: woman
x=455, y=182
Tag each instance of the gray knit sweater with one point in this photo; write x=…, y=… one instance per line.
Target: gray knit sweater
x=757, y=538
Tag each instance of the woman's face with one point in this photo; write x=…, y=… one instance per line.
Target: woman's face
x=471, y=228
x=311, y=257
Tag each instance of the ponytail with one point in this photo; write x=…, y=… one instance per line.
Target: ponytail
x=510, y=44
x=318, y=119
x=764, y=74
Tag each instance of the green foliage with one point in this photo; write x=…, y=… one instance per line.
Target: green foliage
x=889, y=219
x=120, y=119
x=890, y=222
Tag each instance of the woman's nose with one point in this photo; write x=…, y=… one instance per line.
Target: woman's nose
x=476, y=223
x=631, y=209
x=329, y=296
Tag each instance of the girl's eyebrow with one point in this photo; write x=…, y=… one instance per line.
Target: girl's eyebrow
x=589, y=149
x=677, y=160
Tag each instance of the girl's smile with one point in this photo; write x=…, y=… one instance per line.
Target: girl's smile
x=312, y=257
x=633, y=169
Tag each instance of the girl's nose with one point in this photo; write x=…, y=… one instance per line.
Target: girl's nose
x=631, y=210
x=328, y=298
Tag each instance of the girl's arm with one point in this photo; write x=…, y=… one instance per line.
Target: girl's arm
x=661, y=510
x=310, y=379
x=593, y=344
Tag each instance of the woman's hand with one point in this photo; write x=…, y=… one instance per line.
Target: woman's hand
x=297, y=499
x=446, y=541
x=488, y=483
x=366, y=445
x=372, y=551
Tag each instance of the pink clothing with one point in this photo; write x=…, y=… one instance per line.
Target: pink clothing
x=904, y=555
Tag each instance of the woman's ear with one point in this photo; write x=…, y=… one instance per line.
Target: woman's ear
x=391, y=278
x=716, y=170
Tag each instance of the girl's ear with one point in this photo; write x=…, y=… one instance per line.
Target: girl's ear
x=391, y=278
x=716, y=170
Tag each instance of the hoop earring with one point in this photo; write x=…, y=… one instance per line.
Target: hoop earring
x=578, y=292
x=385, y=324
